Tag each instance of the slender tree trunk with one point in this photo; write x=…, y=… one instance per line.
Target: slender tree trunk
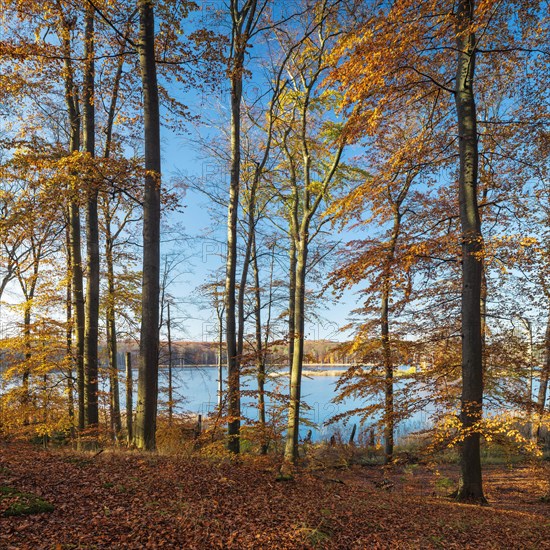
x=243, y=21
x=78, y=309
x=220, y=357
x=28, y=289
x=146, y=414
x=129, y=399
x=233, y=367
x=472, y=249
x=543, y=382
x=28, y=356
x=250, y=239
x=291, y=291
x=91, y=333
x=114, y=391
x=170, y=389
x=293, y=428
x=69, y=335
x=72, y=102
x=260, y=357
x=389, y=413
x=388, y=372
x=244, y=278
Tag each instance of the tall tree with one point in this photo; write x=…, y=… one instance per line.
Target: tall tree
x=243, y=22
x=146, y=413
x=72, y=101
x=313, y=148
x=91, y=332
x=472, y=253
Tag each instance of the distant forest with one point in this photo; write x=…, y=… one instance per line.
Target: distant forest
x=186, y=354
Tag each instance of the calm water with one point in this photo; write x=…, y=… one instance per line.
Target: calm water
x=196, y=392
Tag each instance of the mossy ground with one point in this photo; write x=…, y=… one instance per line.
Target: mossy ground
x=16, y=503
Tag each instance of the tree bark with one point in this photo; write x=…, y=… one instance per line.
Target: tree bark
x=72, y=103
x=543, y=382
x=69, y=334
x=293, y=428
x=233, y=375
x=292, y=283
x=389, y=413
x=260, y=356
x=114, y=391
x=78, y=309
x=472, y=248
x=243, y=21
x=91, y=333
x=170, y=388
x=146, y=414
x=219, y=312
x=129, y=399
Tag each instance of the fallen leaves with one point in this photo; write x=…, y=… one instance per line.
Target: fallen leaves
x=126, y=500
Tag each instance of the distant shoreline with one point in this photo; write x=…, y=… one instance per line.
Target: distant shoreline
x=306, y=372
x=309, y=369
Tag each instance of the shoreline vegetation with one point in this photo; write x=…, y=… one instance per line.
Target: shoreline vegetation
x=313, y=369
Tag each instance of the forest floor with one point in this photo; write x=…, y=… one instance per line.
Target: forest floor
x=130, y=500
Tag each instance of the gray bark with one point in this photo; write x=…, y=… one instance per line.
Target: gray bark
x=129, y=399
x=543, y=381
x=73, y=109
x=260, y=355
x=91, y=333
x=243, y=21
x=170, y=387
x=472, y=247
x=146, y=414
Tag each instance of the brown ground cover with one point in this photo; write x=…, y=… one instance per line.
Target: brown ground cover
x=131, y=500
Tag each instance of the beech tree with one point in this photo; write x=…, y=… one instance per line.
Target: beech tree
x=400, y=157
x=244, y=18
x=417, y=64
x=146, y=415
x=312, y=166
x=92, y=231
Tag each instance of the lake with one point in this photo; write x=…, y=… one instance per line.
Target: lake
x=195, y=390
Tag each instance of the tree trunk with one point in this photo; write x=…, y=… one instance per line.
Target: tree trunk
x=389, y=412
x=78, y=309
x=72, y=103
x=543, y=382
x=386, y=348
x=69, y=334
x=233, y=375
x=146, y=414
x=170, y=389
x=292, y=288
x=129, y=399
x=220, y=357
x=114, y=391
x=388, y=371
x=92, y=236
x=25, y=400
x=293, y=428
x=260, y=357
x=244, y=279
x=472, y=248
x=243, y=21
